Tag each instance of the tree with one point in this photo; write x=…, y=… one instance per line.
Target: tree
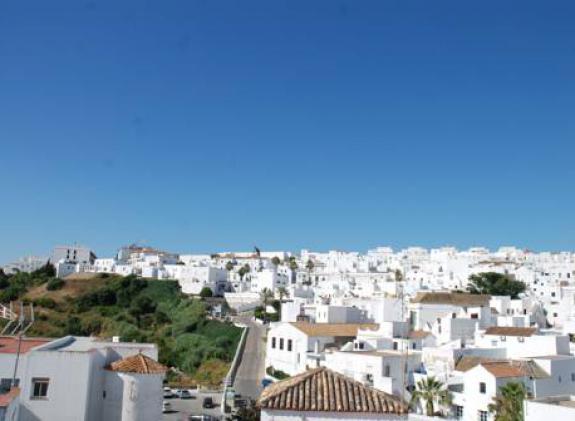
x=243, y=270
x=292, y=263
x=206, y=292
x=430, y=391
x=229, y=266
x=283, y=292
x=276, y=261
x=250, y=412
x=508, y=405
x=47, y=270
x=398, y=275
x=494, y=283
x=3, y=279
x=266, y=295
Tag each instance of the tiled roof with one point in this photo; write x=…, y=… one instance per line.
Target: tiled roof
x=9, y=344
x=326, y=391
x=419, y=334
x=510, y=331
x=8, y=397
x=452, y=298
x=514, y=368
x=467, y=362
x=333, y=329
x=138, y=363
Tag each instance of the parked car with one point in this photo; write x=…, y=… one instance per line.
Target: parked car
x=168, y=393
x=166, y=407
x=208, y=403
x=266, y=382
x=202, y=418
x=183, y=394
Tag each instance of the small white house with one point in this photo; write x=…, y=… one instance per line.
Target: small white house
x=78, y=378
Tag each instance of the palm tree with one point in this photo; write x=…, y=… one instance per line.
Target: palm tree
x=430, y=390
x=508, y=405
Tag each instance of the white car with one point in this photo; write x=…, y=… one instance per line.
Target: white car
x=166, y=407
x=168, y=393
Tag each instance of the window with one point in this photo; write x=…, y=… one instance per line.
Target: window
x=474, y=316
x=553, y=294
x=387, y=371
x=482, y=387
x=289, y=348
x=458, y=410
x=40, y=388
x=413, y=345
x=482, y=415
x=395, y=345
x=273, y=342
x=281, y=343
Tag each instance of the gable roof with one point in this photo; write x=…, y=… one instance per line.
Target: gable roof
x=514, y=368
x=510, y=331
x=467, y=362
x=324, y=390
x=139, y=363
x=452, y=298
x=333, y=329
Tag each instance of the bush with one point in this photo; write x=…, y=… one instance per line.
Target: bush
x=45, y=302
x=55, y=284
x=278, y=374
x=206, y=292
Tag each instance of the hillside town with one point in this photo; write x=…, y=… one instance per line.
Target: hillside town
x=390, y=334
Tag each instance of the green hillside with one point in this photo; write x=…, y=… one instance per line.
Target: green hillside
x=134, y=309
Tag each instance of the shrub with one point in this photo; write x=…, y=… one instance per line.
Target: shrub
x=206, y=292
x=45, y=302
x=55, y=284
x=278, y=374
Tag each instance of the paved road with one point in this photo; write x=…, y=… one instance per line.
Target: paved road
x=251, y=370
x=183, y=408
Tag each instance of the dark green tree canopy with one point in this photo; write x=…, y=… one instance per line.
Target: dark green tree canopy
x=494, y=283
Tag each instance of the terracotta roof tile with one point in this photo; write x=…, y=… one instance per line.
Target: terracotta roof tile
x=323, y=390
x=138, y=363
x=8, y=397
x=452, y=298
x=9, y=344
x=510, y=331
x=419, y=334
x=515, y=368
x=333, y=329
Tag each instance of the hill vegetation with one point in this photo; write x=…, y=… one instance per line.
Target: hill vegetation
x=135, y=310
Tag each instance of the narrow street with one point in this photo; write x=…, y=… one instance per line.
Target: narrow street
x=251, y=370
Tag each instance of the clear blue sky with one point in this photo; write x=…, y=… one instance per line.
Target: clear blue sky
x=208, y=125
